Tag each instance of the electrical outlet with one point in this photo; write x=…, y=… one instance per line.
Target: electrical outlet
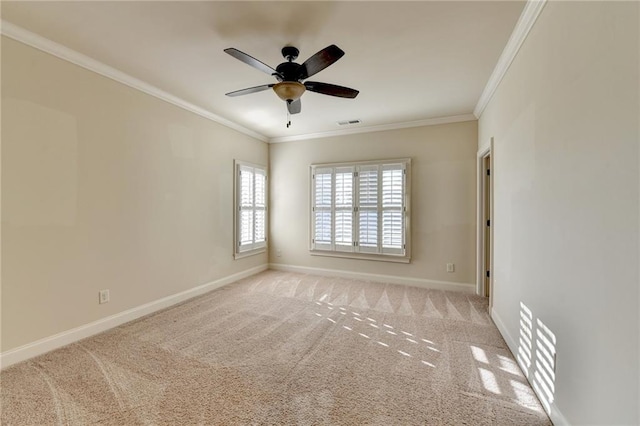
x=451, y=267
x=278, y=252
x=103, y=296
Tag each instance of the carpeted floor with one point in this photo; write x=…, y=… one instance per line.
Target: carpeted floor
x=285, y=348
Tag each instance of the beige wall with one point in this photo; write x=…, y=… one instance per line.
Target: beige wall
x=443, y=198
x=565, y=126
x=104, y=187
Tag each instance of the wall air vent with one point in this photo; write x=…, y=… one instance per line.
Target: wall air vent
x=348, y=122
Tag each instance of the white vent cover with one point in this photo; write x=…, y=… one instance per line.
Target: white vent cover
x=348, y=122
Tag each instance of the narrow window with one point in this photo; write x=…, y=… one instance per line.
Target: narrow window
x=250, y=209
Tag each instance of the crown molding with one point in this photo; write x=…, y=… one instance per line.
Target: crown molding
x=379, y=128
x=44, y=44
x=527, y=18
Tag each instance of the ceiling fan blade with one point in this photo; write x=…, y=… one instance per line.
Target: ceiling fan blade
x=331, y=89
x=250, y=90
x=250, y=60
x=320, y=61
x=294, y=107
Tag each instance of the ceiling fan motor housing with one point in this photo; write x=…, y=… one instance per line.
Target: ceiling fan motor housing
x=288, y=71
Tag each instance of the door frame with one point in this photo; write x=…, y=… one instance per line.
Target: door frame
x=481, y=221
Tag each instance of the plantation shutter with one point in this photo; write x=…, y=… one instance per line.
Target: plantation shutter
x=343, y=209
x=260, y=206
x=252, y=208
x=368, y=209
x=246, y=189
x=393, y=217
x=322, y=238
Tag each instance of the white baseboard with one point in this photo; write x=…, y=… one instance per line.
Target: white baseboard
x=555, y=415
x=50, y=343
x=393, y=279
x=513, y=345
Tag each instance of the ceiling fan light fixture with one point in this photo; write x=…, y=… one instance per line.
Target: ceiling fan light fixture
x=289, y=90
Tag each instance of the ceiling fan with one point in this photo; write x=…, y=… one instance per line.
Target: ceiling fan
x=290, y=76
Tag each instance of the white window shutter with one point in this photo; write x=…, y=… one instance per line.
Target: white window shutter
x=260, y=207
x=246, y=186
x=343, y=208
x=260, y=188
x=322, y=237
x=393, y=209
x=368, y=209
x=246, y=207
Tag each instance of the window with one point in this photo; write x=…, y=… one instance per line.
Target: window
x=250, y=209
x=361, y=210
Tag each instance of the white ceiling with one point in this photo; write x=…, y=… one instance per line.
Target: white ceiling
x=411, y=61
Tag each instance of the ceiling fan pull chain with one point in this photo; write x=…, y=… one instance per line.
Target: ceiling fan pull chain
x=288, y=119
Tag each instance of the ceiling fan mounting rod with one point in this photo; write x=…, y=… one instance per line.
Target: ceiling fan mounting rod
x=290, y=53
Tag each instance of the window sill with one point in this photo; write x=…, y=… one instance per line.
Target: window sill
x=362, y=256
x=249, y=253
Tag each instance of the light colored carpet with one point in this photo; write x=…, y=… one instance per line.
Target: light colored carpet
x=285, y=348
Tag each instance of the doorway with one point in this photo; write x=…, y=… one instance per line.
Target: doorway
x=486, y=161
x=484, y=281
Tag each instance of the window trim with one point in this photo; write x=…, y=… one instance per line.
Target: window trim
x=262, y=247
x=383, y=257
